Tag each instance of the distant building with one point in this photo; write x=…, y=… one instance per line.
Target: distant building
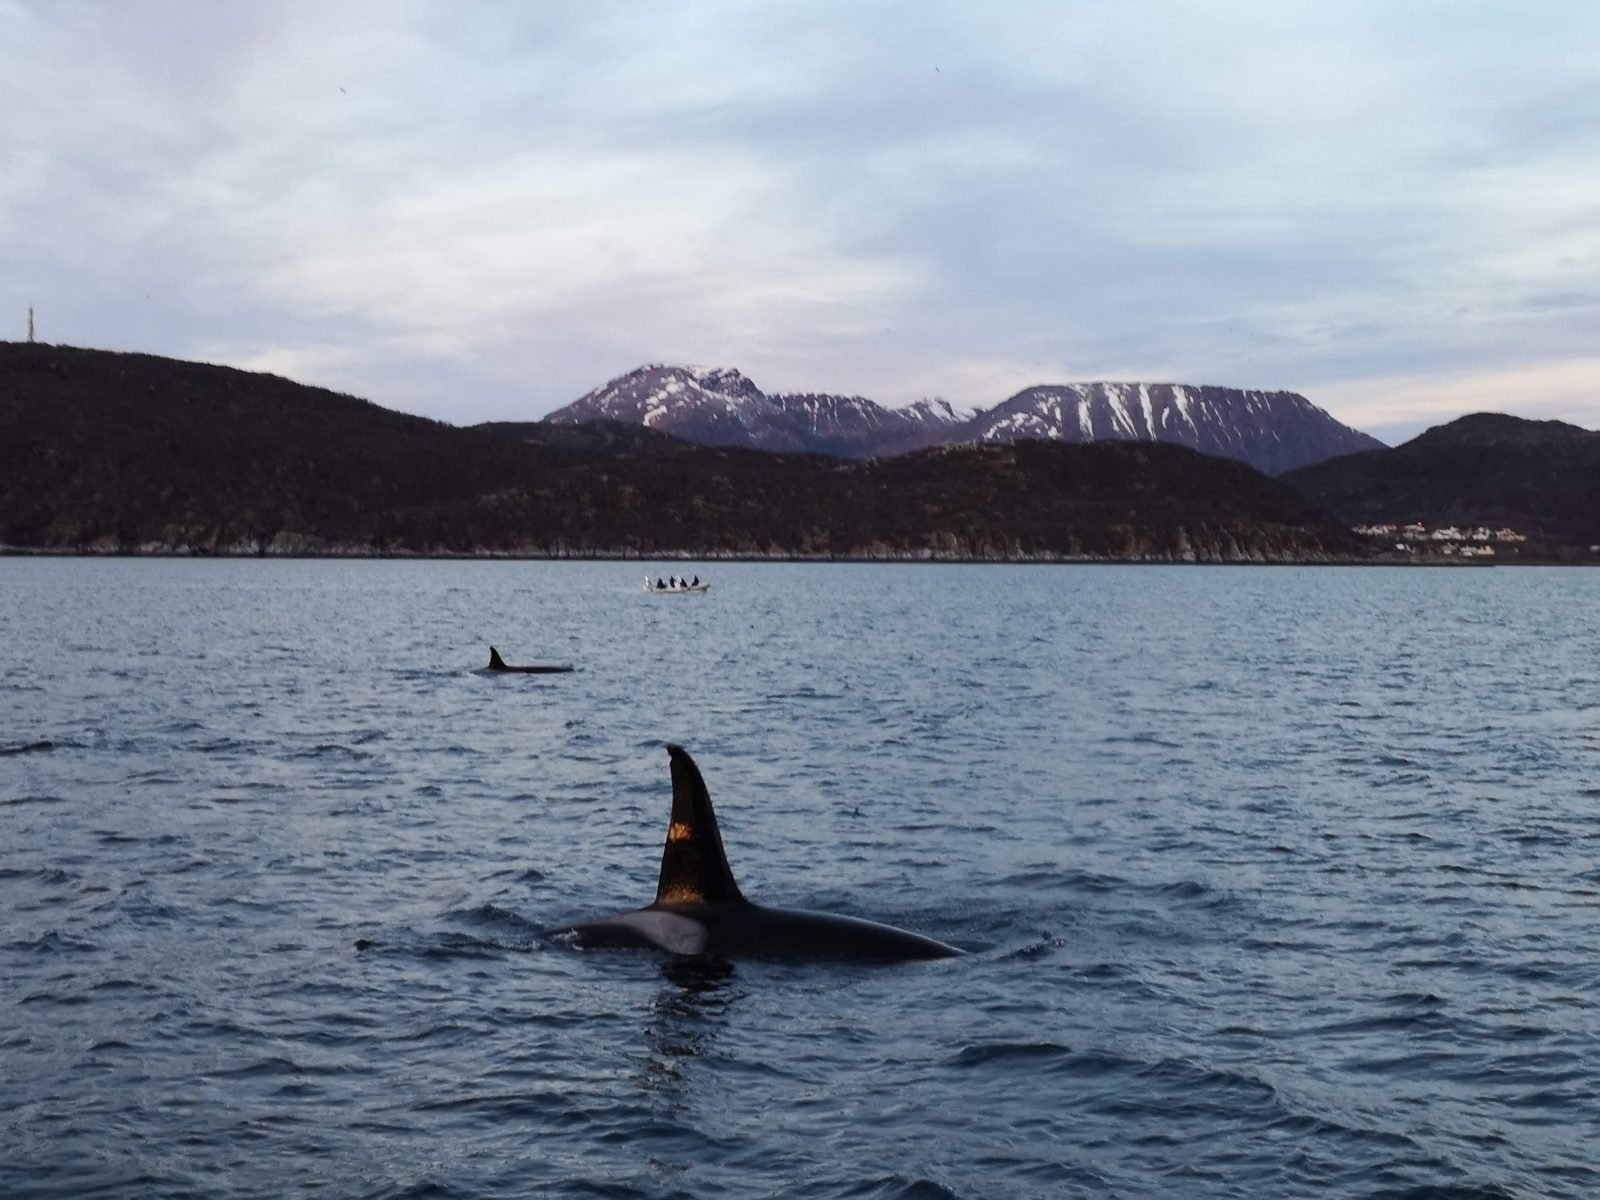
x=1447, y=539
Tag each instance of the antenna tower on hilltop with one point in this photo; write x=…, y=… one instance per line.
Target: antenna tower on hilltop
x=30, y=322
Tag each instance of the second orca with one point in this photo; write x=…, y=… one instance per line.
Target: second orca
x=496, y=663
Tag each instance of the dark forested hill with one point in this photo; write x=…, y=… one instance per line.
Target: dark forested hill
x=1541, y=478
x=126, y=453
x=120, y=450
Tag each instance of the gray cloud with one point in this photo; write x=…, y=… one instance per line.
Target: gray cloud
x=483, y=212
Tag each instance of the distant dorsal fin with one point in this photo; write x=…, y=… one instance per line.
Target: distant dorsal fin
x=694, y=868
x=496, y=663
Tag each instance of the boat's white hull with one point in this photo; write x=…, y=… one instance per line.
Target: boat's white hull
x=678, y=591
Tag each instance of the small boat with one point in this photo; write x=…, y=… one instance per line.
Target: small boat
x=677, y=589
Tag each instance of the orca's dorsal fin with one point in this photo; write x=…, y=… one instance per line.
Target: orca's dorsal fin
x=496, y=663
x=694, y=868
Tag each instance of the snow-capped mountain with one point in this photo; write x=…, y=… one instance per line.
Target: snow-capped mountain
x=719, y=406
x=713, y=405
x=1272, y=431
x=855, y=427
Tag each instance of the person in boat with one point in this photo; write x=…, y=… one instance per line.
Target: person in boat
x=660, y=586
x=672, y=581
x=696, y=582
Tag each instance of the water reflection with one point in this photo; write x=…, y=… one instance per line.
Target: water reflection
x=684, y=1020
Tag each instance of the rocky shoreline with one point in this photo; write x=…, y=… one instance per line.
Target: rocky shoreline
x=303, y=549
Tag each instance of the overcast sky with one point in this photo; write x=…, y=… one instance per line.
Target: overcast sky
x=480, y=210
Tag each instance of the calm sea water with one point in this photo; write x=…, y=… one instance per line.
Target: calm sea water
x=1277, y=882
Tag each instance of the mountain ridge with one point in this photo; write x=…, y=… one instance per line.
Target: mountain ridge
x=721, y=406
x=1272, y=431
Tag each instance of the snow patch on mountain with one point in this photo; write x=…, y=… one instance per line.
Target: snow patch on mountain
x=1273, y=431
x=722, y=406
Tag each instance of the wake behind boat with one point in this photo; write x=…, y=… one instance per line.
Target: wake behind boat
x=675, y=586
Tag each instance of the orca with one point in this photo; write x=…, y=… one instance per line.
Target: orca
x=700, y=912
x=496, y=663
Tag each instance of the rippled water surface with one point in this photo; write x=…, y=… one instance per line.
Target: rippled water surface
x=1276, y=882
